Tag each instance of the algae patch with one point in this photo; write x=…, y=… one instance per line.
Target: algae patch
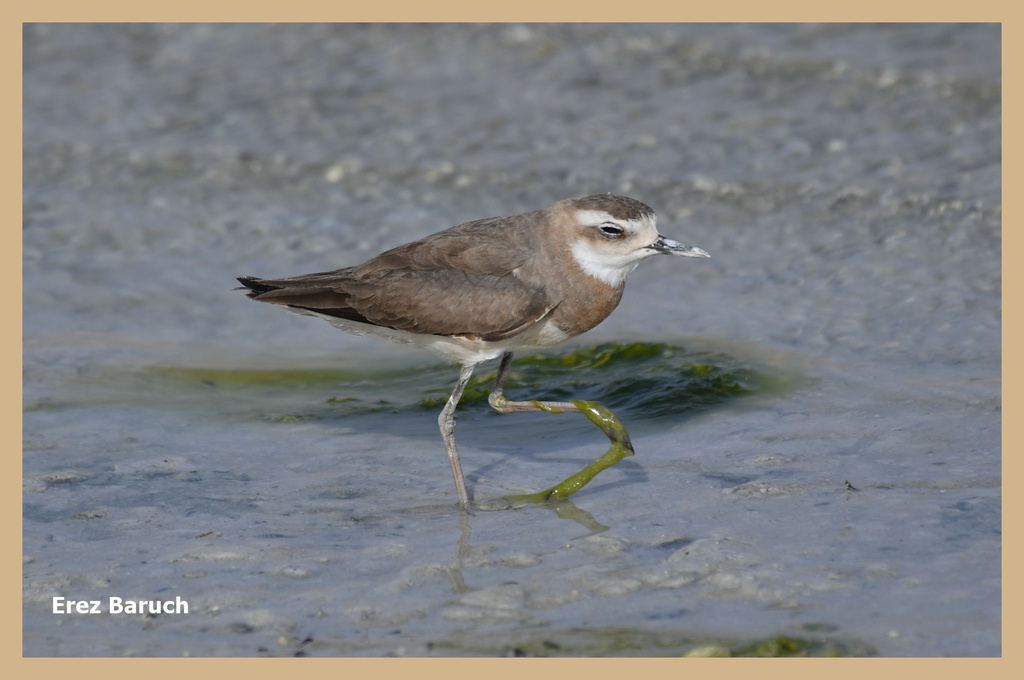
x=644, y=380
x=639, y=381
x=636, y=642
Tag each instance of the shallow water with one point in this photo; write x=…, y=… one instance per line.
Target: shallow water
x=845, y=179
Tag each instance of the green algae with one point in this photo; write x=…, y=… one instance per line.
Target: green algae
x=619, y=449
x=638, y=642
x=241, y=377
x=640, y=381
x=644, y=380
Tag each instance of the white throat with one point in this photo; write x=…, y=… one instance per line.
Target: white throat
x=609, y=268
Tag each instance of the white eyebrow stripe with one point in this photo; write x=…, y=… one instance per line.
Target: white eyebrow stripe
x=595, y=217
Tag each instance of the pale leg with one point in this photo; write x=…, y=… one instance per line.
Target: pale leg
x=499, y=403
x=446, y=421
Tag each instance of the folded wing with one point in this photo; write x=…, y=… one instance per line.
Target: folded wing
x=461, y=282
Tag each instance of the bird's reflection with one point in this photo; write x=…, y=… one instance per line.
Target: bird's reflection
x=564, y=509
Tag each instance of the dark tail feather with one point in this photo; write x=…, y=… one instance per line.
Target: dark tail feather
x=256, y=286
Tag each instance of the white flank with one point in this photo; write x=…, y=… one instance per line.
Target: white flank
x=453, y=349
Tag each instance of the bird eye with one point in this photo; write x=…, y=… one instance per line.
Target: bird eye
x=611, y=230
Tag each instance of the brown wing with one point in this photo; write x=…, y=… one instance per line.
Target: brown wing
x=459, y=282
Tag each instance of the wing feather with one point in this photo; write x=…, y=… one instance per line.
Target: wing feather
x=459, y=282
